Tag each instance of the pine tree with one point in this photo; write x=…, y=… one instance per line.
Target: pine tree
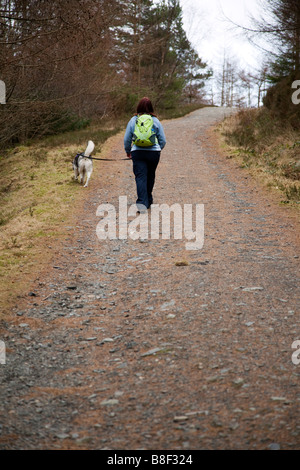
x=283, y=32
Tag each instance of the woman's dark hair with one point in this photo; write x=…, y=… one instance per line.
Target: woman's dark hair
x=145, y=107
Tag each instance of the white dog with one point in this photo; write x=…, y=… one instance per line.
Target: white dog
x=83, y=164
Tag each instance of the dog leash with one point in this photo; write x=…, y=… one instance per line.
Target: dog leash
x=109, y=159
x=102, y=159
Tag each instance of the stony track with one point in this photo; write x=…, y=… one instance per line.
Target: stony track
x=143, y=344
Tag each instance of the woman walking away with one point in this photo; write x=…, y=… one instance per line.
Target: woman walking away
x=143, y=141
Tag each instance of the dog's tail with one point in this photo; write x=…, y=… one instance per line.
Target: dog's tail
x=89, y=149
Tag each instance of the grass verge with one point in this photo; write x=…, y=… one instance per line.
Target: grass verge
x=268, y=148
x=38, y=195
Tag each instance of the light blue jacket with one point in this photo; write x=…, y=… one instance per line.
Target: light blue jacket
x=159, y=134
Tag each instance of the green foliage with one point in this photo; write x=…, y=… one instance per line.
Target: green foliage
x=67, y=122
x=123, y=100
x=279, y=101
x=282, y=25
x=280, y=68
x=98, y=133
x=163, y=61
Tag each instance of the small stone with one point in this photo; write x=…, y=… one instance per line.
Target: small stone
x=180, y=418
x=91, y=397
x=152, y=351
x=252, y=289
x=62, y=436
x=234, y=426
x=167, y=305
x=110, y=402
x=278, y=398
x=238, y=382
x=217, y=423
x=225, y=371
x=213, y=378
x=274, y=446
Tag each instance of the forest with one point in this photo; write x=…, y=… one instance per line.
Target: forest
x=65, y=63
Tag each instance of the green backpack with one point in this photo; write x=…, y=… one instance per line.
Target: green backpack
x=144, y=133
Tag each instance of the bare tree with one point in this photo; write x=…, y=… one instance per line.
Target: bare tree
x=227, y=81
x=54, y=60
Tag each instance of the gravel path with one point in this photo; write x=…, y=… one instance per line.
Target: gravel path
x=143, y=344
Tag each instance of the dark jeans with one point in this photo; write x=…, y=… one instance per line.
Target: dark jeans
x=144, y=166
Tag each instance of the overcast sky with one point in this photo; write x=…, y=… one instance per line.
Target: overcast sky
x=211, y=35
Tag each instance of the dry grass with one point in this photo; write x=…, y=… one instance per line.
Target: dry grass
x=267, y=148
x=37, y=194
